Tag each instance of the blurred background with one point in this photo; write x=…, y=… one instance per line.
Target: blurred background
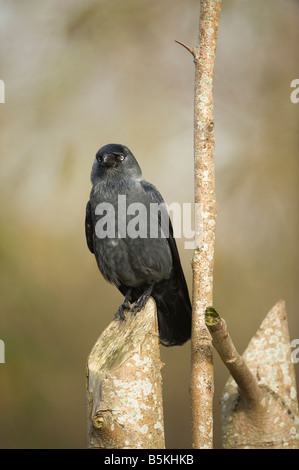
x=83, y=73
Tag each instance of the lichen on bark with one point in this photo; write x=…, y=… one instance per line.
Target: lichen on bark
x=124, y=385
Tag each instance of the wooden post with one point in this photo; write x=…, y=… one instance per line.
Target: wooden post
x=124, y=385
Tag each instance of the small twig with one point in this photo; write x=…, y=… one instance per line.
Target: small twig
x=190, y=49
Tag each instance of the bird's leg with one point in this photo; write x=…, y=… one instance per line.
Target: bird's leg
x=140, y=303
x=124, y=306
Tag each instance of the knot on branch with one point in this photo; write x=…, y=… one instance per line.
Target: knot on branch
x=210, y=127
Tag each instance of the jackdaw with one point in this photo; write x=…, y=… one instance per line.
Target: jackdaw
x=136, y=253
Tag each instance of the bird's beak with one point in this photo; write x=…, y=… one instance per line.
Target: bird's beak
x=108, y=159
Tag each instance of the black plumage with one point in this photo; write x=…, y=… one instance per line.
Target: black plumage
x=139, y=266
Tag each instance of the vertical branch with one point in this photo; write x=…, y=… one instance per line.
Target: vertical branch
x=202, y=381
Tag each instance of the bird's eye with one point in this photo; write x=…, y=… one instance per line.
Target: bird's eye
x=120, y=158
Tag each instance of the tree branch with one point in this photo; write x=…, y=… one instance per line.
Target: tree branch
x=202, y=380
x=247, y=383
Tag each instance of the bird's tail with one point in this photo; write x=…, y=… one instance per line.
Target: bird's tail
x=174, y=312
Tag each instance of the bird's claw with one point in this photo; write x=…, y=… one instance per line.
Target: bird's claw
x=124, y=306
x=120, y=313
x=137, y=307
x=142, y=301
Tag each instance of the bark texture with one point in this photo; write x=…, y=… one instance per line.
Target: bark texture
x=262, y=412
x=124, y=385
x=202, y=380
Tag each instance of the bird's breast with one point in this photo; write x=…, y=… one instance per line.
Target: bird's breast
x=130, y=247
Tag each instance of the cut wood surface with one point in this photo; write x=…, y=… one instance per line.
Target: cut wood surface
x=267, y=417
x=124, y=384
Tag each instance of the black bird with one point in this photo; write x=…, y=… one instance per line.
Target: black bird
x=141, y=263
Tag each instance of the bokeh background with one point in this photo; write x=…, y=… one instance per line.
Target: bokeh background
x=83, y=73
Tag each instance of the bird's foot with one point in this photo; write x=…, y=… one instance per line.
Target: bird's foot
x=120, y=313
x=141, y=302
x=124, y=306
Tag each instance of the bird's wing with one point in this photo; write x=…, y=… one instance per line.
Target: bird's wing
x=89, y=227
x=152, y=191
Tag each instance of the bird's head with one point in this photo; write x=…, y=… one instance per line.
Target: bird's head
x=115, y=161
